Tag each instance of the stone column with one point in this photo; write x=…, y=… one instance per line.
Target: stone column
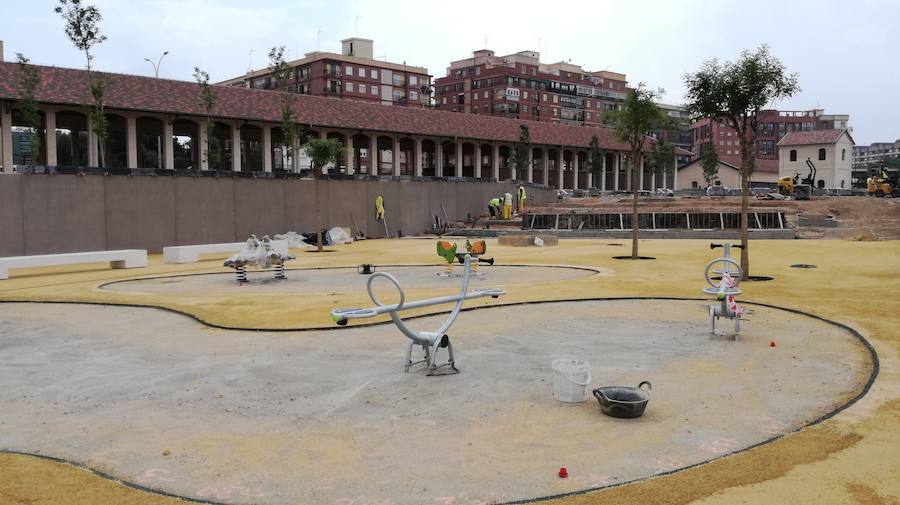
x=395, y=152
x=267, y=147
x=459, y=158
x=235, y=148
x=374, y=166
x=617, y=161
x=93, y=160
x=576, y=167
x=495, y=161
x=50, y=125
x=131, y=148
x=439, y=159
x=560, y=169
x=417, y=154
x=476, y=160
x=6, y=138
x=545, y=160
x=350, y=154
x=513, y=170
x=530, y=175
x=168, y=148
x=603, y=174
x=590, y=179
x=203, y=140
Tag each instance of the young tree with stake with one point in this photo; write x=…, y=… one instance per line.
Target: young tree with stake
x=709, y=161
x=28, y=106
x=634, y=122
x=734, y=93
x=322, y=152
x=82, y=25
x=208, y=98
x=283, y=74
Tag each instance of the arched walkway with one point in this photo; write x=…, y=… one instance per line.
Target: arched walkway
x=429, y=158
x=116, y=141
x=251, y=148
x=25, y=140
x=72, y=139
x=149, y=142
x=185, y=139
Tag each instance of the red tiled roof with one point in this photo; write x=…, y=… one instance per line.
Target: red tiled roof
x=812, y=137
x=64, y=86
x=762, y=165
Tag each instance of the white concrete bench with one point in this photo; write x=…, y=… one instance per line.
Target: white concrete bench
x=126, y=258
x=191, y=253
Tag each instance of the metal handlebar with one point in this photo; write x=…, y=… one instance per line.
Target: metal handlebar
x=715, y=246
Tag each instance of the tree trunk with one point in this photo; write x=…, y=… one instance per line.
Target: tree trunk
x=635, y=181
x=318, y=210
x=745, y=208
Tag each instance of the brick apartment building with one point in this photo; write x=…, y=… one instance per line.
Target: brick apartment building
x=874, y=154
x=773, y=125
x=520, y=86
x=353, y=74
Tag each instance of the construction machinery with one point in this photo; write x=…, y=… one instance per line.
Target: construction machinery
x=880, y=185
x=792, y=186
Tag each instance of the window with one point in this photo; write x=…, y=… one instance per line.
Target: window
x=413, y=95
x=843, y=157
x=587, y=104
x=721, y=142
x=793, y=155
x=485, y=94
x=348, y=70
x=694, y=185
x=611, y=85
x=350, y=87
x=721, y=133
x=361, y=72
x=555, y=98
x=413, y=80
x=525, y=109
x=373, y=74
x=555, y=112
x=474, y=96
x=545, y=97
x=444, y=100
x=374, y=90
x=821, y=154
x=525, y=95
x=729, y=133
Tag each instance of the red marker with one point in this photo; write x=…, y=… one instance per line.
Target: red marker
x=772, y=344
x=563, y=473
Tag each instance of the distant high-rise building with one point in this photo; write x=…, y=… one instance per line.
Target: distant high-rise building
x=520, y=86
x=354, y=74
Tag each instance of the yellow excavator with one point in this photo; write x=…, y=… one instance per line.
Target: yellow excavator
x=791, y=186
x=880, y=184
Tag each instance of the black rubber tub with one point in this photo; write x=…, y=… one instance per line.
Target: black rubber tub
x=623, y=401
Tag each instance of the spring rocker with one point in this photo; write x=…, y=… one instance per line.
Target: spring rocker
x=476, y=250
x=258, y=252
x=725, y=290
x=430, y=341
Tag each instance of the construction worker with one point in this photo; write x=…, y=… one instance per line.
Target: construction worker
x=520, y=192
x=494, y=207
x=507, y=206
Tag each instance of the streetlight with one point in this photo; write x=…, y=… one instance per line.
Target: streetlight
x=156, y=65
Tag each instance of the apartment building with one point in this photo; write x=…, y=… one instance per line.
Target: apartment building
x=873, y=155
x=520, y=86
x=354, y=74
x=773, y=126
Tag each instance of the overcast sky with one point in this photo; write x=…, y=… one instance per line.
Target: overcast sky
x=846, y=53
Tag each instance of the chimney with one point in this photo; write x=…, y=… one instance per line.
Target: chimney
x=1, y=52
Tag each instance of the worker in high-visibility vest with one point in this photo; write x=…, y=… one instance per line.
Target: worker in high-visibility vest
x=520, y=191
x=507, y=206
x=494, y=207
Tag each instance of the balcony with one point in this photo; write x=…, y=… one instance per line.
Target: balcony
x=333, y=71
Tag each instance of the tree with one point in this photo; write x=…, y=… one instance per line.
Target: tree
x=522, y=150
x=638, y=117
x=734, y=93
x=82, y=26
x=27, y=105
x=709, y=160
x=283, y=76
x=322, y=152
x=208, y=98
x=595, y=158
x=661, y=158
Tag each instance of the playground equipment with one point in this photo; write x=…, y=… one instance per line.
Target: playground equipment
x=726, y=289
x=258, y=252
x=430, y=341
x=448, y=251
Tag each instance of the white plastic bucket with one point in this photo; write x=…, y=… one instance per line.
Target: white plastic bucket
x=570, y=379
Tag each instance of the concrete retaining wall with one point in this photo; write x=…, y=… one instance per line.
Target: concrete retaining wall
x=42, y=214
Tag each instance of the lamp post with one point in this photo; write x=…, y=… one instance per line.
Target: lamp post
x=156, y=65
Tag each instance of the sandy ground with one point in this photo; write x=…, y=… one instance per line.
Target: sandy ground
x=849, y=458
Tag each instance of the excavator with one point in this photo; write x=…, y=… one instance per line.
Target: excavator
x=791, y=186
x=880, y=184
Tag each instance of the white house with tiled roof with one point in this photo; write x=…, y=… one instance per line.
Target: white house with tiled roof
x=831, y=151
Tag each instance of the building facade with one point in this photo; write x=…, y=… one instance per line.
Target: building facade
x=354, y=74
x=873, y=155
x=773, y=126
x=520, y=86
x=690, y=176
x=830, y=151
x=160, y=124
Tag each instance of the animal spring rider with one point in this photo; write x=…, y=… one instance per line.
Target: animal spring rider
x=447, y=250
x=726, y=289
x=259, y=252
x=430, y=341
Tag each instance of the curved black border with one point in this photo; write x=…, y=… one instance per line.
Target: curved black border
x=868, y=386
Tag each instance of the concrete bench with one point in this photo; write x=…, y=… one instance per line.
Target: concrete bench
x=191, y=253
x=126, y=258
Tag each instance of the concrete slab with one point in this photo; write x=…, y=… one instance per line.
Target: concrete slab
x=329, y=417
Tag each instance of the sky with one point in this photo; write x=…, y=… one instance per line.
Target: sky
x=845, y=53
